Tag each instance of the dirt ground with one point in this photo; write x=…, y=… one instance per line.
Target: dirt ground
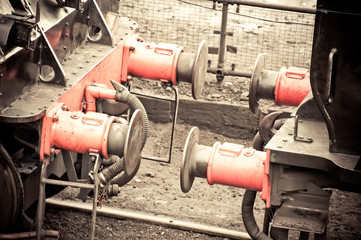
x=155, y=190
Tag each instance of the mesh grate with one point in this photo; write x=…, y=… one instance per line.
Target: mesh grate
x=285, y=36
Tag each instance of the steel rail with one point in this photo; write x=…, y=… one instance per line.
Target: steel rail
x=26, y=235
x=268, y=5
x=138, y=216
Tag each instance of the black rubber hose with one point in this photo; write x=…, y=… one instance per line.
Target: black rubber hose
x=134, y=103
x=107, y=174
x=110, y=161
x=248, y=202
x=123, y=178
x=125, y=96
x=248, y=216
x=257, y=142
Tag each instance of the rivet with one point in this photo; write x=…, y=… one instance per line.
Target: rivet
x=279, y=146
x=285, y=140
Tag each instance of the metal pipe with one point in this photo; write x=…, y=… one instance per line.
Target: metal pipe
x=67, y=183
x=268, y=5
x=222, y=43
x=27, y=235
x=39, y=221
x=230, y=72
x=94, y=207
x=165, y=221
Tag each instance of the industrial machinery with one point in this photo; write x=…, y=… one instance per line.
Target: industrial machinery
x=67, y=117
x=294, y=162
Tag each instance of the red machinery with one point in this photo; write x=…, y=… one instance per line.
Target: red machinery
x=63, y=63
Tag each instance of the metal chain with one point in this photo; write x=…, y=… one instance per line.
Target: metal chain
x=101, y=196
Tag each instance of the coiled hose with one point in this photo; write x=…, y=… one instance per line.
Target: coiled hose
x=110, y=172
x=115, y=173
x=126, y=97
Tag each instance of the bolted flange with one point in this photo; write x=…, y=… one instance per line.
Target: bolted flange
x=194, y=160
x=133, y=143
x=199, y=70
x=192, y=68
x=262, y=84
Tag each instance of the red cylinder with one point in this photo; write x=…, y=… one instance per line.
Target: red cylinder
x=292, y=86
x=154, y=61
x=79, y=132
x=233, y=165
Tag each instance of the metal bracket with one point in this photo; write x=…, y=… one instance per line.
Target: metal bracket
x=47, y=57
x=175, y=114
x=44, y=180
x=99, y=31
x=295, y=133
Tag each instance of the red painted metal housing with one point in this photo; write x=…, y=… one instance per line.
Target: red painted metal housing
x=234, y=165
x=151, y=61
x=75, y=131
x=292, y=86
